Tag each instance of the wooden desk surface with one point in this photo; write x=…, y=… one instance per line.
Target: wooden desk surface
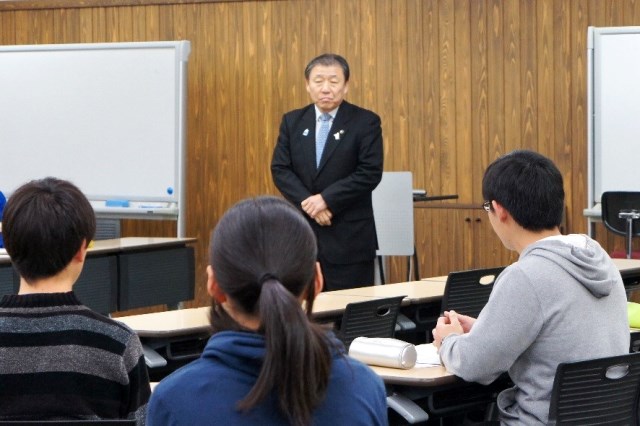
x=132, y=243
x=169, y=323
x=442, y=279
x=628, y=266
x=415, y=291
x=196, y=320
x=416, y=376
x=328, y=304
x=122, y=244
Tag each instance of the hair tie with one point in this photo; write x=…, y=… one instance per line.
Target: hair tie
x=267, y=277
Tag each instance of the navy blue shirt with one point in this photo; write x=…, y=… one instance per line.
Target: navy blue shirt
x=207, y=390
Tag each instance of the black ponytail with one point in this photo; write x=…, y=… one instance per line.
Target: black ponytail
x=294, y=347
x=264, y=253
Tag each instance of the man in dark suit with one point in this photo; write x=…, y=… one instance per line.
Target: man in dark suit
x=332, y=181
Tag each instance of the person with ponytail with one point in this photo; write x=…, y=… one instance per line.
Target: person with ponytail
x=267, y=362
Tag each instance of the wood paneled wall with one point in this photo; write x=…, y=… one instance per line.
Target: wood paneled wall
x=456, y=82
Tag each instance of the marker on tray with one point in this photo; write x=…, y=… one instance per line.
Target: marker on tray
x=117, y=203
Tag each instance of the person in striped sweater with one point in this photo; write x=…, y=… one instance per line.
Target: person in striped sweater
x=59, y=359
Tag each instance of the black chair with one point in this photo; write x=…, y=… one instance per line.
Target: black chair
x=372, y=318
x=596, y=392
x=634, y=341
x=620, y=211
x=466, y=292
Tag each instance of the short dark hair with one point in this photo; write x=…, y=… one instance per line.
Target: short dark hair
x=327, y=59
x=529, y=186
x=263, y=253
x=45, y=223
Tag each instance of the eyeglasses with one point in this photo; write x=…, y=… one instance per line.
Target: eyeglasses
x=487, y=206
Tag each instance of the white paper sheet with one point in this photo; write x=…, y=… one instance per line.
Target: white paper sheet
x=427, y=355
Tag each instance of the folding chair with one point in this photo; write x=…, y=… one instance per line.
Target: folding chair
x=620, y=214
x=596, y=392
x=466, y=292
x=372, y=318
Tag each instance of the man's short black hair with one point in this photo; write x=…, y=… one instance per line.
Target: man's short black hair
x=529, y=186
x=45, y=223
x=327, y=59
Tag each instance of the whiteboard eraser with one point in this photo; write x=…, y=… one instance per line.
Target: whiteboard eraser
x=117, y=203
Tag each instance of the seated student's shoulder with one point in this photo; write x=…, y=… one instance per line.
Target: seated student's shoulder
x=112, y=327
x=349, y=370
x=355, y=394
x=355, y=371
x=185, y=377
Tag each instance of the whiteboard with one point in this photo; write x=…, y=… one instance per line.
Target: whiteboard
x=110, y=117
x=614, y=105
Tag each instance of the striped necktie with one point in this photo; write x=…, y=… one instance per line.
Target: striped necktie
x=321, y=138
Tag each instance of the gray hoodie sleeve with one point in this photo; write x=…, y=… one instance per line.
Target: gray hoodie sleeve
x=507, y=325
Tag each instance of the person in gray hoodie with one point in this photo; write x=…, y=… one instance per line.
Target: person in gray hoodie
x=562, y=301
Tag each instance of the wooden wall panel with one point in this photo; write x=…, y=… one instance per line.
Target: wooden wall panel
x=463, y=108
x=446, y=136
x=456, y=82
x=571, y=60
x=426, y=116
x=512, y=91
x=479, y=94
x=545, y=80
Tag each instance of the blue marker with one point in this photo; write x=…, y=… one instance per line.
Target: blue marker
x=116, y=203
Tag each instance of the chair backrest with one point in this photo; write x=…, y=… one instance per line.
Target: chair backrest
x=372, y=318
x=466, y=292
x=612, y=202
x=597, y=391
x=393, y=213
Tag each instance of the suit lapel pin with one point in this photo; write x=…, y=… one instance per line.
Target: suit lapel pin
x=337, y=135
x=306, y=132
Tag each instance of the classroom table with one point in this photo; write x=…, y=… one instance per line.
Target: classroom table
x=442, y=393
x=426, y=290
x=126, y=273
x=417, y=376
x=630, y=272
x=196, y=320
x=329, y=304
x=326, y=305
x=184, y=331
x=168, y=324
x=426, y=293
x=170, y=339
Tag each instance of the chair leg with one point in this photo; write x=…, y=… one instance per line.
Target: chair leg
x=408, y=409
x=381, y=268
x=629, y=236
x=629, y=216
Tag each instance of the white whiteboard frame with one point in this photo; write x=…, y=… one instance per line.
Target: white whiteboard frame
x=609, y=147
x=105, y=69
